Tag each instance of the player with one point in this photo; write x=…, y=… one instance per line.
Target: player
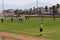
x=41, y=29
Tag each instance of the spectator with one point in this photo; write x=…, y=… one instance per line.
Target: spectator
x=21, y=19
x=2, y=20
x=26, y=17
x=11, y=19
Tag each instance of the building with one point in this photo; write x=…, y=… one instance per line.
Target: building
x=9, y=12
x=58, y=10
x=1, y=14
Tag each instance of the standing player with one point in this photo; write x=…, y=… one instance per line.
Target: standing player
x=41, y=29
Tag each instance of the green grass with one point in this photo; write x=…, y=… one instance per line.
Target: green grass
x=31, y=28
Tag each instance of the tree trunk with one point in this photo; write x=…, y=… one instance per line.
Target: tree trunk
x=54, y=16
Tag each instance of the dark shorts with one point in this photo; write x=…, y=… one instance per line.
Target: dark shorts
x=41, y=30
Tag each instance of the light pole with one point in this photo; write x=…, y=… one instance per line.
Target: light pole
x=3, y=6
x=37, y=4
x=40, y=13
x=4, y=15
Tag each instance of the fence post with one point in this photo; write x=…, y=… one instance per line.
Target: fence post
x=3, y=37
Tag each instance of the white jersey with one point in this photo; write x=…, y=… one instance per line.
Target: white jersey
x=41, y=25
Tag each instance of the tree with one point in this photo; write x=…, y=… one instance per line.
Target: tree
x=50, y=8
x=25, y=11
x=30, y=11
x=33, y=8
x=46, y=8
x=57, y=6
x=21, y=12
x=17, y=11
x=54, y=10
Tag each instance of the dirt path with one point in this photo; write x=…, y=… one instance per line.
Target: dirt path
x=22, y=37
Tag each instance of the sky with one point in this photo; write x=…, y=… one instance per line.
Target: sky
x=25, y=2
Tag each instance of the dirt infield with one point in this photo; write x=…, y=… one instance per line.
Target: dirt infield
x=11, y=36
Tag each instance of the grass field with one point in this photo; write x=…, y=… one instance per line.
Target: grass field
x=31, y=27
